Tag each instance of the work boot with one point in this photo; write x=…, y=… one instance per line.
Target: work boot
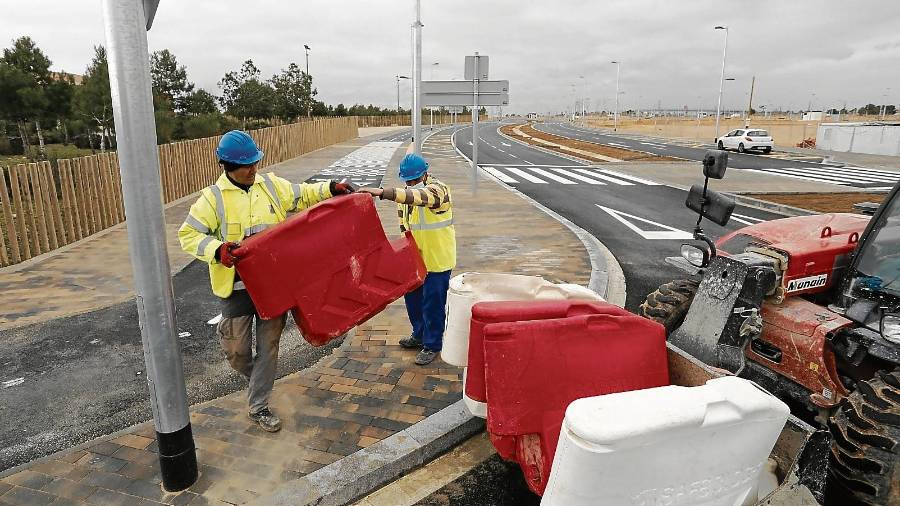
x=411, y=342
x=425, y=356
x=267, y=420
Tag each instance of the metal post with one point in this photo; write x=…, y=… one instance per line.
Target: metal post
x=398, y=94
x=750, y=103
x=129, y=77
x=722, y=79
x=308, y=93
x=417, y=81
x=475, y=115
x=616, y=114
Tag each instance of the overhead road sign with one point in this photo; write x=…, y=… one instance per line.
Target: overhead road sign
x=481, y=72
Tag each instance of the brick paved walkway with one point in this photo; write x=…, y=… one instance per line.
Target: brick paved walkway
x=365, y=391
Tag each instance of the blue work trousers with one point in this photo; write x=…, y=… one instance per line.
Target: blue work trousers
x=426, y=307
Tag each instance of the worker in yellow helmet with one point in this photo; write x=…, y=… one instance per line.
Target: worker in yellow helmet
x=240, y=204
x=425, y=208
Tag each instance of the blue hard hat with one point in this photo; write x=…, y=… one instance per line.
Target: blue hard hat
x=412, y=167
x=238, y=147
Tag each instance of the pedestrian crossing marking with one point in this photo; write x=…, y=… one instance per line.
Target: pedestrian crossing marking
x=859, y=177
x=566, y=174
x=578, y=176
x=364, y=166
x=550, y=175
x=526, y=176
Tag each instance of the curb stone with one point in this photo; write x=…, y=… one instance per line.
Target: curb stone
x=362, y=472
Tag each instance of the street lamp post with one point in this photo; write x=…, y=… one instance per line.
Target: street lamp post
x=884, y=103
x=399, y=77
x=582, y=99
x=431, y=109
x=309, y=91
x=616, y=114
x=722, y=78
x=417, y=81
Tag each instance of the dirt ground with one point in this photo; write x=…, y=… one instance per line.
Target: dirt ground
x=600, y=149
x=821, y=202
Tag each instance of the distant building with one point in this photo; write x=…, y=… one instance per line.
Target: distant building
x=812, y=116
x=532, y=115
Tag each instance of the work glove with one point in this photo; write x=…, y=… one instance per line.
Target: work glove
x=226, y=255
x=342, y=187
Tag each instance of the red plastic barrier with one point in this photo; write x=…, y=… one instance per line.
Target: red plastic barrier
x=331, y=265
x=535, y=369
x=484, y=313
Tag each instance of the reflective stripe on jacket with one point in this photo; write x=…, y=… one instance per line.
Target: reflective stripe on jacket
x=427, y=211
x=224, y=213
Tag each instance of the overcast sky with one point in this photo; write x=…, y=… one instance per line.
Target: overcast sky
x=839, y=50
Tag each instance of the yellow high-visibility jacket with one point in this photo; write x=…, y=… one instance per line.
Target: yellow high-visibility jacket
x=226, y=213
x=426, y=210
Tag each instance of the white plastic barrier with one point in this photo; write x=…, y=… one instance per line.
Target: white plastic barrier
x=477, y=408
x=669, y=446
x=469, y=288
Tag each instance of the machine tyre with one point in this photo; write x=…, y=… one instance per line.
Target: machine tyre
x=865, y=448
x=741, y=148
x=721, y=146
x=670, y=302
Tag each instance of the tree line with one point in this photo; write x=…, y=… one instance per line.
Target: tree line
x=40, y=107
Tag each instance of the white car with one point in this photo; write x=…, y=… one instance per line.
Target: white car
x=747, y=139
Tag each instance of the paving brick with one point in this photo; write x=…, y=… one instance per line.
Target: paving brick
x=103, y=497
x=375, y=432
x=28, y=479
x=104, y=448
x=102, y=462
x=19, y=495
x=67, y=488
x=348, y=389
x=146, y=489
x=71, y=457
x=106, y=480
x=135, y=471
x=365, y=441
x=53, y=467
x=142, y=457
x=388, y=424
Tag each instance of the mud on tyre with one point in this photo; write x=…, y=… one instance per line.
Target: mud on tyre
x=866, y=442
x=670, y=302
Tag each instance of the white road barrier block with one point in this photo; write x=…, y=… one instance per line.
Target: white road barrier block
x=469, y=288
x=477, y=408
x=672, y=445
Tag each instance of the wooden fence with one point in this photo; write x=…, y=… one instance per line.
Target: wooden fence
x=404, y=120
x=43, y=208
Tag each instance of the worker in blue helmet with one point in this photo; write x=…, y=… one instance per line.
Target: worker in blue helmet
x=426, y=210
x=240, y=204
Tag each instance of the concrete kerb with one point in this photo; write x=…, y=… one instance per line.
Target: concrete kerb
x=370, y=468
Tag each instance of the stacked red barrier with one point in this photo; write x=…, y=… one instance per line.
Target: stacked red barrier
x=331, y=265
x=530, y=360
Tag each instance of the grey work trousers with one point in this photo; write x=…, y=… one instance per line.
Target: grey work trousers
x=236, y=336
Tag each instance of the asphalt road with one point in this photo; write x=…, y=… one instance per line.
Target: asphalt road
x=781, y=164
x=656, y=211
x=84, y=376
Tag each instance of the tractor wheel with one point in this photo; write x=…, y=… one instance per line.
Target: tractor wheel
x=670, y=302
x=865, y=451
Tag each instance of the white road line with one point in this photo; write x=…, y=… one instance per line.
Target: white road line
x=604, y=177
x=512, y=155
x=825, y=175
x=669, y=233
x=660, y=146
x=769, y=172
x=571, y=174
x=860, y=174
x=751, y=218
x=883, y=172
x=505, y=144
x=630, y=178
x=880, y=188
x=499, y=175
x=618, y=145
x=526, y=176
x=550, y=175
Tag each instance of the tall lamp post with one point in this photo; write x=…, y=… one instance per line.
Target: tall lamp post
x=431, y=109
x=399, y=77
x=417, y=79
x=309, y=92
x=721, y=79
x=616, y=114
